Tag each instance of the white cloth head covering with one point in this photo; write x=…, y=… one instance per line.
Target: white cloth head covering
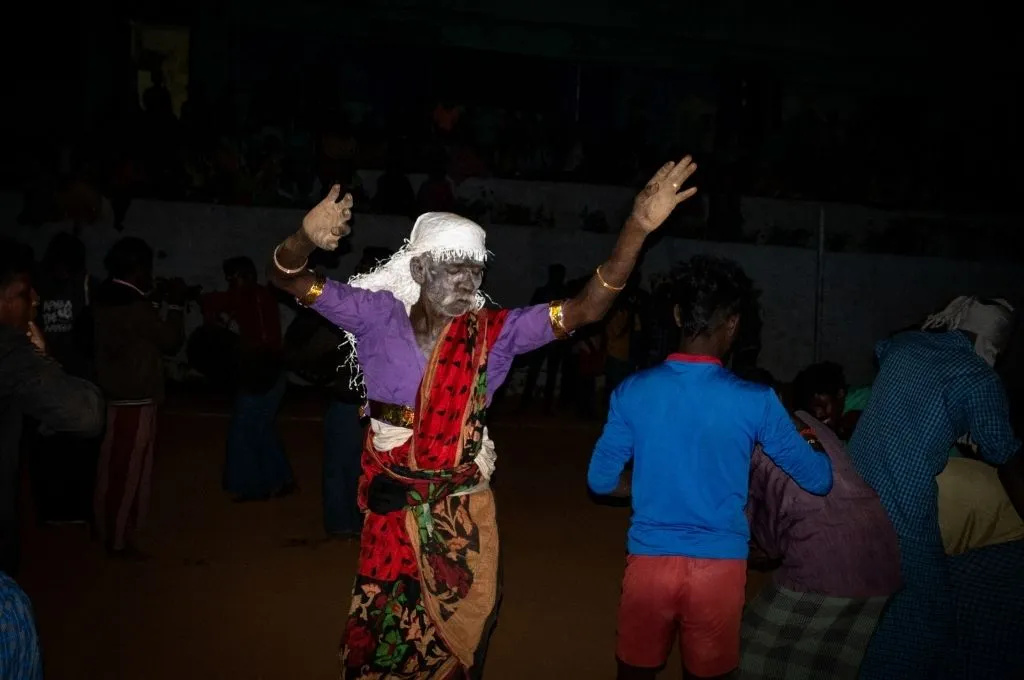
x=446, y=237
x=990, y=323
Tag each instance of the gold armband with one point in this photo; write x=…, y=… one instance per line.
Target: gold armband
x=316, y=289
x=556, y=315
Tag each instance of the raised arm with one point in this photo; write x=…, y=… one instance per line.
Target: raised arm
x=650, y=210
x=349, y=308
x=322, y=227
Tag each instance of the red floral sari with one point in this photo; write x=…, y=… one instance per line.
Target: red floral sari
x=426, y=588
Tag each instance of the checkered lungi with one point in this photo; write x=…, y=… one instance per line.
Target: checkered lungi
x=806, y=636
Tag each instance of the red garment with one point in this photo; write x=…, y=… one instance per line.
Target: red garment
x=253, y=308
x=125, y=472
x=386, y=551
x=700, y=601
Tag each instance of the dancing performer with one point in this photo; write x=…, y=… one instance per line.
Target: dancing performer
x=428, y=580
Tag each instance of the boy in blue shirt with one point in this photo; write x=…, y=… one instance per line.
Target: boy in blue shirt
x=690, y=427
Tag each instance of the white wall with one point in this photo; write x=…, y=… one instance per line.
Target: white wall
x=563, y=205
x=866, y=296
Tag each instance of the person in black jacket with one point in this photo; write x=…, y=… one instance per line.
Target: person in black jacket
x=31, y=384
x=64, y=466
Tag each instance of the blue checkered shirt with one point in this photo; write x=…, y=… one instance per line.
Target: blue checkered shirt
x=19, y=645
x=932, y=388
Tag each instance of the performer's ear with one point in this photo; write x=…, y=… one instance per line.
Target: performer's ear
x=418, y=269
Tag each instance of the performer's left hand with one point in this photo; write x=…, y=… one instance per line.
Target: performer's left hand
x=662, y=194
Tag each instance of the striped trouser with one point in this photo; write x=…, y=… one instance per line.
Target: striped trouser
x=125, y=471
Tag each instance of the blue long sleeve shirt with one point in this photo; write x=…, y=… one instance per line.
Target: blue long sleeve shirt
x=690, y=427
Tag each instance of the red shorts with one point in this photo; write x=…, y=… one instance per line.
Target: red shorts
x=700, y=599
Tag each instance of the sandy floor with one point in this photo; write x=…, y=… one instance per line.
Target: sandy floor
x=253, y=591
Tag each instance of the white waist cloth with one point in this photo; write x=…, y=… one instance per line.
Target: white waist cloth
x=387, y=436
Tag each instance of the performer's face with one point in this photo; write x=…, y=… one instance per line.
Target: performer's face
x=450, y=288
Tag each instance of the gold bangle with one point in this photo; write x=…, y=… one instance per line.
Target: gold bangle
x=605, y=284
x=285, y=270
x=316, y=289
x=556, y=316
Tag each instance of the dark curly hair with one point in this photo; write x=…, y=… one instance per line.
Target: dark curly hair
x=708, y=290
x=824, y=378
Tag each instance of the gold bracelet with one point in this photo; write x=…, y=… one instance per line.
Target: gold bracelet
x=285, y=270
x=556, y=316
x=316, y=289
x=607, y=285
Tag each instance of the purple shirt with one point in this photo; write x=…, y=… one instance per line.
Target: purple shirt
x=392, y=362
x=839, y=545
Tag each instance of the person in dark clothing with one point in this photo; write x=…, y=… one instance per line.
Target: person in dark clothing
x=64, y=286
x=31, y=384
x=64, y=466
x=132, y=336
x=554, y=353
x=316, y=350
x=256, y=466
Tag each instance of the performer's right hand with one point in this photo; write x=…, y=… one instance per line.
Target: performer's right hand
x=327, y=222
x=385, y=495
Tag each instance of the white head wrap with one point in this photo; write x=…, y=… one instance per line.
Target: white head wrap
x=446, y=237
x=989, y=322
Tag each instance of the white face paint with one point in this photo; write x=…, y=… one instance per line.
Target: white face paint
x=449, y=287
x=452, y=287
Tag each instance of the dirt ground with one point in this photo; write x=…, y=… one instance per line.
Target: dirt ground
x=253, y=591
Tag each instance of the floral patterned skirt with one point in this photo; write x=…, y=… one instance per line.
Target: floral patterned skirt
x=407, y=613
x=390, y=635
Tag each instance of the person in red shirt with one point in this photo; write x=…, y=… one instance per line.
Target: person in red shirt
x=256, y=467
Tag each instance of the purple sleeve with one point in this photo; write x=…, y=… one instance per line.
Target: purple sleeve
x=763, y=504
x=525, y=330
x=353, y=309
